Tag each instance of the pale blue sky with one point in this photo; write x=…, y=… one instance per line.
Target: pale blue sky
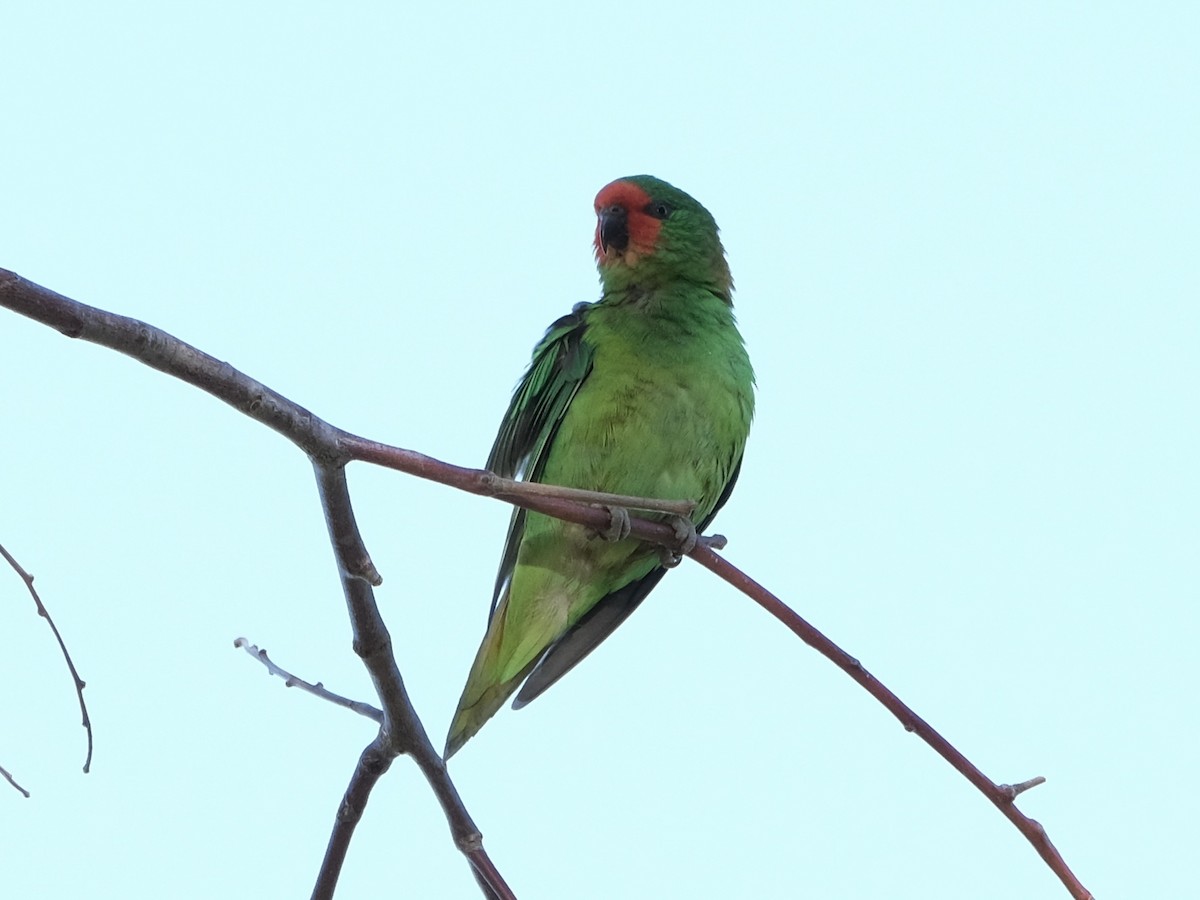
x=964, y=240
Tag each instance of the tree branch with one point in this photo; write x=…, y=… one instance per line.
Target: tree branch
x=328, y=448
x=401, y=730
x=331, y=449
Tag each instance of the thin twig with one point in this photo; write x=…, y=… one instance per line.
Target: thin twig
x=317, y=690
x=506, y=487
x=80, y=684
x=7, y=777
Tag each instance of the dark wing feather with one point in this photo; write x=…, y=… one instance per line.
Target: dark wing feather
x=561, y=361
x=602, y=619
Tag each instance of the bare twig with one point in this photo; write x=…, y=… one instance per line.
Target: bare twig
x=1001, y=795
x=317, y=690
x=7, y=777
x=330, y=449
x=505, y=487
x=80, y=684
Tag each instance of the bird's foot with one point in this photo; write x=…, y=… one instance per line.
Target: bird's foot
x=712, y=541
x=618, y=524
x=685, y=533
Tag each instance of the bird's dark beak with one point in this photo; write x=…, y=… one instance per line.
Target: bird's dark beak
x=613, y=229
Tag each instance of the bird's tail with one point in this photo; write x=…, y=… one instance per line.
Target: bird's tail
x=474, y=712
x=491, y=681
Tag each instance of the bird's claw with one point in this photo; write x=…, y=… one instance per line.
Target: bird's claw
x=668, y=558
x=618, y=524
x=685, y=534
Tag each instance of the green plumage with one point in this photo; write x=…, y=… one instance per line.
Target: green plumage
x=647, y=392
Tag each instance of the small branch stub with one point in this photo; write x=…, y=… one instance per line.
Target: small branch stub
x=1012, y=791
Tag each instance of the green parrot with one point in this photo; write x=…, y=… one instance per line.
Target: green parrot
x=647, y=392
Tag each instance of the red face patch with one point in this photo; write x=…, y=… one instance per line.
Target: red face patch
x=643, y=228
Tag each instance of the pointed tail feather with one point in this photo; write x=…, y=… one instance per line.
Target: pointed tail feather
x=474, y=711
x=510, y=649
x=487, y=686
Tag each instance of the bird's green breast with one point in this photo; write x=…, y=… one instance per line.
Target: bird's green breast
x=666, y=407
x=665, y=410
x=664, y=413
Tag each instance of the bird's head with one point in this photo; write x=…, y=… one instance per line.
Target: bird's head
x=650, y=233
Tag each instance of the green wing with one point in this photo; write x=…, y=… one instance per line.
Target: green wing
x=561, y=361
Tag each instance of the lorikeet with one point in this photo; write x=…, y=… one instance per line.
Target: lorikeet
x=647, y=392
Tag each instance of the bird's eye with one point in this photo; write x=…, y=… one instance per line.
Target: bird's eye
x=658, y=209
